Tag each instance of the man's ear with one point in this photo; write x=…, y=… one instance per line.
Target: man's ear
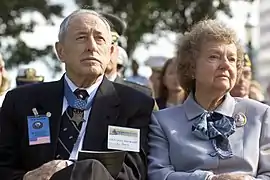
x=114, y=49
x=114, y=52
x=60, y=51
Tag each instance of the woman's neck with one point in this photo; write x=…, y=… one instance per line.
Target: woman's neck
x=176, y=97
x=209, y=101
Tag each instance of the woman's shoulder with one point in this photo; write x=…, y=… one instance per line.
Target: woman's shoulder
x=172, y=118
x=251, y=105
x=169, y=113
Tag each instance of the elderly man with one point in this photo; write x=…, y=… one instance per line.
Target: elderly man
x=241, y=89
x=45, y=125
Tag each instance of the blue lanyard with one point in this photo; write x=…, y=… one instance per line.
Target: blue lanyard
x=75, y=102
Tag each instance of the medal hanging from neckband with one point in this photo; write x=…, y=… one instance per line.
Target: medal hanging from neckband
x=75, y=115
x=76, y=112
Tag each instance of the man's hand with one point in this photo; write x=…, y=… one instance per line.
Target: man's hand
x=231, y=177
x=45, y=171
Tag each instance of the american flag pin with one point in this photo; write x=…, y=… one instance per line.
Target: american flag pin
x=48, y=114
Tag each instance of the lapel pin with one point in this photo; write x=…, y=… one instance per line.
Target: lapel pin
x=48, y=114
x=35, y=112
x=240, y=119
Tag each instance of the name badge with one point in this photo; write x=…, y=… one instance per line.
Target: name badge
x=38, y=130
x=125, y=139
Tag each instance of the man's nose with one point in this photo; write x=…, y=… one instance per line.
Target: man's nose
x=91, y=44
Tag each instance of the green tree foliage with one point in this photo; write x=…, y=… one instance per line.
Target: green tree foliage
x=13, y=48
x=155, y=16
x=142, y=16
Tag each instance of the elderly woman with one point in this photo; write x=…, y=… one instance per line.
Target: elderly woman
x=4, y=81
x=212, y=135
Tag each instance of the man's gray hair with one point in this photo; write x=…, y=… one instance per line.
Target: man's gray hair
x=65, y=23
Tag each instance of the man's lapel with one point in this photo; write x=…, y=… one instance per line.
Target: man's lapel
x=51, y=103
x=104, y=112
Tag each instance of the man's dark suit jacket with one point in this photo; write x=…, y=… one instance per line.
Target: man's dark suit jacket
x=114, y=104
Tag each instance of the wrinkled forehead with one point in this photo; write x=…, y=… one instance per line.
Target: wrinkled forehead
x=88, y=21
x=218, y=45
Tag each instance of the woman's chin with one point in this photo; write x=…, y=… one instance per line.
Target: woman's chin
x=222, y=86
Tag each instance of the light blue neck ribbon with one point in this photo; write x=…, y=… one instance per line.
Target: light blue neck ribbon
x=217, y=128
x=75, y=102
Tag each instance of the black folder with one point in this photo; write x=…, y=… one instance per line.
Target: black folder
x=111, y=160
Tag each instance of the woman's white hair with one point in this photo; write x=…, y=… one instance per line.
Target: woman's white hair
x=65, y=23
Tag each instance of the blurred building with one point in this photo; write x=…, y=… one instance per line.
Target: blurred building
x=263, y=61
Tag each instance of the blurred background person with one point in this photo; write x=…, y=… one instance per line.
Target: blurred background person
x=116, y=65
x=256, y=91
x=170, y=91
x=122, y=61
x=136, y=77
x=156, y=64
x=113, y=72
x=119, y=58
x=28, y=76
x=268, y=94
x=4, y=80
x=242, y=87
